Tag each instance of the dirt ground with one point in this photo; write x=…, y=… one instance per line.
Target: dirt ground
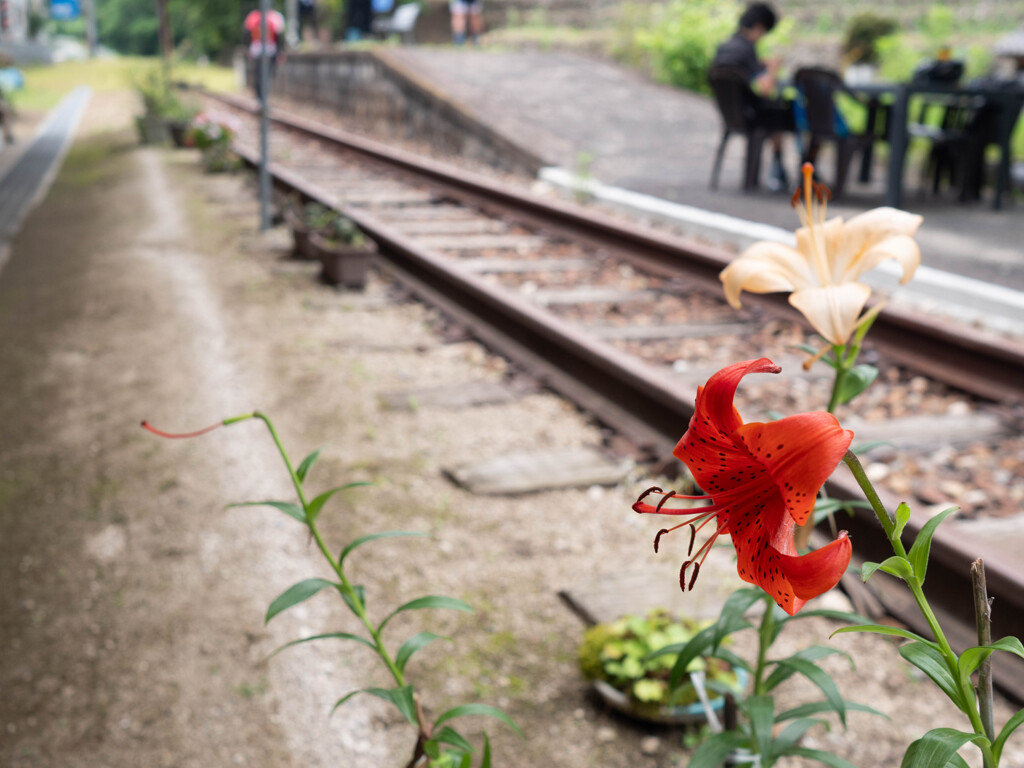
x=131, y=599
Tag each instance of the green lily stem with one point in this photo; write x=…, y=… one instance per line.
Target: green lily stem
x=842, y=366
x=888, y=524
x=764, y=641
x=346, y=586
x=916, y=588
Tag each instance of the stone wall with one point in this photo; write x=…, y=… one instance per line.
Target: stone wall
x=392, y=102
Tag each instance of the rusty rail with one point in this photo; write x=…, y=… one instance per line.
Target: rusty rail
x=645, y=407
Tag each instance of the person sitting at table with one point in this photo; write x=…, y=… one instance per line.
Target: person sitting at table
x=740, y=51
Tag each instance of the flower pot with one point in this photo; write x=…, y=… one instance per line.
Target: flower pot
x=301, y=248
x=344, y=265
x=178, y=129
x=151, y=128
x=659, y=713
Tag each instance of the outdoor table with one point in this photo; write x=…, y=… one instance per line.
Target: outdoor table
x=1009, y=100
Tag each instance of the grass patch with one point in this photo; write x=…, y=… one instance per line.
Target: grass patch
x=46, y=85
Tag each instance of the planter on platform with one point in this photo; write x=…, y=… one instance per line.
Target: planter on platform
x=178, y=129
x=152, y=128
x=342, y=264
x=301, y=248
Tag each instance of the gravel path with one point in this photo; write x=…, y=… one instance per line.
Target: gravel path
x=131, y=609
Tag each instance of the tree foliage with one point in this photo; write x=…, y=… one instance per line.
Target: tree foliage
x=200, y=27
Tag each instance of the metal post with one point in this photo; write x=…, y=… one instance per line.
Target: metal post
x=292, y=25
x=263, y=76
x=91, y=36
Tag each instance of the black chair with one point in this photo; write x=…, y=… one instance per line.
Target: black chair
x=818, y=88
x=737, y=104
x=953, y=140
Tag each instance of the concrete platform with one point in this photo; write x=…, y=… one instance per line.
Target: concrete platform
x=635, y=135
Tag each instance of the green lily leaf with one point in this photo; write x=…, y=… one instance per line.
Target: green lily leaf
x=884, y=629
x=345, y=698
x=484, y=710
x=314, y=507
x=867, y=445
x=825, y=758
x=817, y=707
x=1011, y=725
x=856, y=380
x=730, y=619
x=713, y=752
x=971, y=659
x=812, y=654
x=902, y=518
x=937, y=748
x=822, y=680
x=413, y=644
x=794, y=731
x=401, y=697
x=485, y=761
x=450, y=736
x=761, y=712
x=330, y=635
x=358, y=596
x=895, y=566
x=306, y=465
x=296, y=594
x=930, y=661
x=827, y=613
x=373, y=537
x=918, y=554
x=430, y=601
x=292, y=510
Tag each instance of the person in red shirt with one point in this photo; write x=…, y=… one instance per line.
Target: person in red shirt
x=253, y=30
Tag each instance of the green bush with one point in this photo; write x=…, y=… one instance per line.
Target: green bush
x=863, y=32
x=682, y=39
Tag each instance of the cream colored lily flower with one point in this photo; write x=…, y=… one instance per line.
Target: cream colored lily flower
x=822, y=272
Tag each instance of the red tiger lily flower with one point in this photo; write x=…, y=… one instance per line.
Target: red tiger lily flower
x=762, y=480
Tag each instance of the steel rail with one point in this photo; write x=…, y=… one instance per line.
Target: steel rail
x=649, y=410
x=970, y=359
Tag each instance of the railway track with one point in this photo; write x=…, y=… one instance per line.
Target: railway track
x=626, y=323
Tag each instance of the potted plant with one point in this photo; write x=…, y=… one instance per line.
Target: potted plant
x=154, y=94
x=344, y=251
x=860, y=46
x=178, y=117
x=616, y=658
x=212, y=133
x=303, y=219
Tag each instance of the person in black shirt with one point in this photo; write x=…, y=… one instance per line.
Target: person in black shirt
x=739, y=51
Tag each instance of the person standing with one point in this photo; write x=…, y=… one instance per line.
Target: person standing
x=463, y=10
x=740, y=52
x=254, y=29
x=360, y=17
x=309, y=30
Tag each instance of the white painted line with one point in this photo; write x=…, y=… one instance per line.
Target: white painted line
x=964, y=298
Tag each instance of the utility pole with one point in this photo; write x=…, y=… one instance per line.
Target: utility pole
x=91, y=36
x=166, y=38
x=264, y=81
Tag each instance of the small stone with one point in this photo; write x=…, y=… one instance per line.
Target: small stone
x=606, y=734
x=877, y=472
x=650, y=745
x=579, y=714
x=952, y=488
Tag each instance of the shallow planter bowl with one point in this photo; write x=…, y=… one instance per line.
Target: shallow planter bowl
x=689, y=714
x=343, y=265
